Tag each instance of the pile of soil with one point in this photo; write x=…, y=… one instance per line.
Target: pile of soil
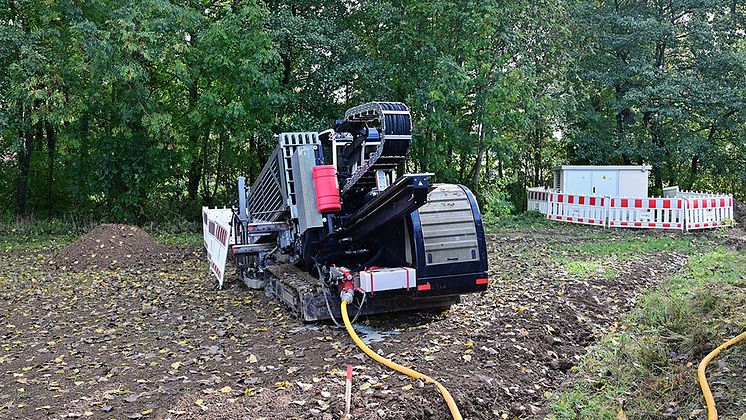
x=111, y=246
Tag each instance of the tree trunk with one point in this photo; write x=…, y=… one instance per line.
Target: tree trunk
x=537, y=156
x=206, y=199
x=196, y=166
x=477, y=170
x=250, y=168
x=488, y=163
x=24, y=165
x=219, y=169
x=84, y=135
x=462, y=168
x=194, y=176
x=478, y=164
x=287, y=56
x=693, y=171
x=658, y=178
x=51, y=156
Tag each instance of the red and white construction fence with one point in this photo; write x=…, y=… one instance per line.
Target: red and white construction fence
x=678, y=210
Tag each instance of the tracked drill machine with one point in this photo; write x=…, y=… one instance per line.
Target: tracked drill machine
x=332, y=216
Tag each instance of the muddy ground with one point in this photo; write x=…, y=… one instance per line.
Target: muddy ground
x=160, y=342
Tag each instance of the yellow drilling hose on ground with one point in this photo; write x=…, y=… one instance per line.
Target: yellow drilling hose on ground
x=399, y=368
x=712, y=412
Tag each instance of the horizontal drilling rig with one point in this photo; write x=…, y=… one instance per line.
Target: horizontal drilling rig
x=333, y=216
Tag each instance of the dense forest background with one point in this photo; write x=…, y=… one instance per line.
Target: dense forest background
x=146, y=110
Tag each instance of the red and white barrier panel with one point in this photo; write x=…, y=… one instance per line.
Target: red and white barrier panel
x=685, y=211
x=704, y=213
x=658, y=213
x=583, y=209
x=217, y=237
x=538, y=200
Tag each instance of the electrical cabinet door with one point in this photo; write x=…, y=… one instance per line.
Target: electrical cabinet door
x=604, y=183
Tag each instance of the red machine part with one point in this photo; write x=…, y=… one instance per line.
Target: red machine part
x=327, y=188
x=346, y=279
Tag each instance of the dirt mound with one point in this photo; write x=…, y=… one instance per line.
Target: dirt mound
x=111, y=246
x=739, y=212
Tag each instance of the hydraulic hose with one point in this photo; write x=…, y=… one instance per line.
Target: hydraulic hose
x=712, y=412
x=397, y=367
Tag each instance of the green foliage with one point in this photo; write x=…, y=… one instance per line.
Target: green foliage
x=647, y=366
x=662, y=84
x=138, y=104
x=496, y=205
x=147, y=110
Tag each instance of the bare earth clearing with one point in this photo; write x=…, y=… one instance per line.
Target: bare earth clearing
x=159, y=342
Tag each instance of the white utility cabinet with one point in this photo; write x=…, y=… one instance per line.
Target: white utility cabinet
x=610, y=181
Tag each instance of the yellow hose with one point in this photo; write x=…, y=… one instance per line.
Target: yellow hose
x=399, y=368
x=712, y=412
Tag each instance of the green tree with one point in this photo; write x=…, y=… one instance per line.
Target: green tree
x=485, y=80
x=35, y=101
x=658, y=85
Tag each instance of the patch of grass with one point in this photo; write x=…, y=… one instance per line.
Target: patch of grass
x=597, y=255
x=647, y=366
x=635, y=245
x=179, y=240
x=38, y=243
x=584, y=269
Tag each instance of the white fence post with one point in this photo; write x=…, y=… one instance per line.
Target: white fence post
x=606, y=202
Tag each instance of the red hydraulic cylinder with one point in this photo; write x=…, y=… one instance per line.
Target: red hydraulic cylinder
x=327, y=188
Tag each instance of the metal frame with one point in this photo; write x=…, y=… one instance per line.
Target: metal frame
x=273, y=191
x=370, y=112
